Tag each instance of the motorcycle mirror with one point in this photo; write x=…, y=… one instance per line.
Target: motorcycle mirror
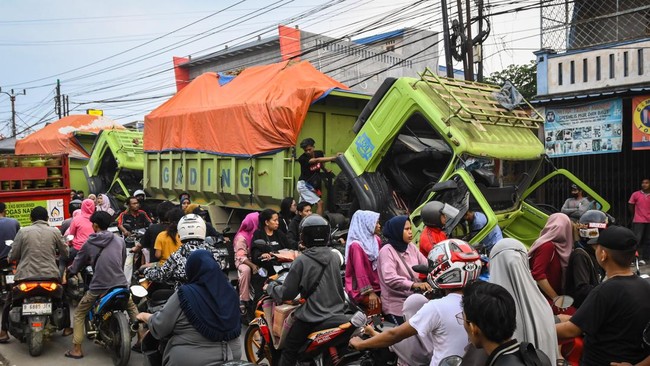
x=262, y=272
x=563, y=301
x=9, y=242
x=421, y=268
x=259, y=242
x=139, y=291
x=339, y=256
x=451, y=361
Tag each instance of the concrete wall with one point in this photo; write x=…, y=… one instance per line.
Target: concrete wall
x=555, y=70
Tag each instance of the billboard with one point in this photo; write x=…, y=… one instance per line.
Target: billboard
x=589, y=128
x=641, y=123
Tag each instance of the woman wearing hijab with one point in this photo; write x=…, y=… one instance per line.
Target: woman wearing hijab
x=361, y=252
x=535, y=322
x=396, y=277
x=245, y=268
x=549, y=255
x=104, y=204
x=201, y=317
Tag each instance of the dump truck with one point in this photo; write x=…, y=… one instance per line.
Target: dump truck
x=454, y=141
x=417, y=139
x=116, y=164
x=27, y=181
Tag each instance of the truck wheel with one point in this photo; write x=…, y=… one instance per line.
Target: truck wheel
x=35, y=343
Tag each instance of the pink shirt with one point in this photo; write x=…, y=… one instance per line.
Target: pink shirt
x=641, y=202
x=395, y=279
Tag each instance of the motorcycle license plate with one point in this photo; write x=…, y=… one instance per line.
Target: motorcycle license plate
x=9, y=279
x=37, y=309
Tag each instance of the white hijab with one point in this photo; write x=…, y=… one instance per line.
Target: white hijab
x=535, y=322
x=362, y=230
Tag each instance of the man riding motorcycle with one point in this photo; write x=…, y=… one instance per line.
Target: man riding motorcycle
x=106, y=252
x=315, y=275
x=35, y=249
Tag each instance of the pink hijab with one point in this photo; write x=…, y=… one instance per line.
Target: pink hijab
x=248, y=227
x=559, y=231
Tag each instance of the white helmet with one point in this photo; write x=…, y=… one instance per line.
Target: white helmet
x=139, y=192
x=452, y=264
x=191, y=226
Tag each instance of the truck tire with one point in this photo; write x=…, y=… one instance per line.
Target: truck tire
x=35, y=343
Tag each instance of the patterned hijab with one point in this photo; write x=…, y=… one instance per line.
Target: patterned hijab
x=362, y=230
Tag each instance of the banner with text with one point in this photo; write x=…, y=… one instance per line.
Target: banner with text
x=21, y=211
x=641, y=123
x=590, y=128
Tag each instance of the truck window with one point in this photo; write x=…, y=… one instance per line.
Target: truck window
x=502, y=182
x=415, y=161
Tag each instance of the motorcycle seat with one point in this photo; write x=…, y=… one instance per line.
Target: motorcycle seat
x=40, y=279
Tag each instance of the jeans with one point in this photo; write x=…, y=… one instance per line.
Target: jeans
x=85, y=304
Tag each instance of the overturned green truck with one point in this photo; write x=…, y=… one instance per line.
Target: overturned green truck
x=415, y=140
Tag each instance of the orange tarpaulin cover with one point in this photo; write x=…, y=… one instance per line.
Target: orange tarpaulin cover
x=57, y=137
x=259, y=111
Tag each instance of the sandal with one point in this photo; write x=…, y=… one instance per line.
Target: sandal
x=70, y=355
x=243, y=308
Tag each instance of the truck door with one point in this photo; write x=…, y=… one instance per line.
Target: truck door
x=462, y=194
x=544, y=198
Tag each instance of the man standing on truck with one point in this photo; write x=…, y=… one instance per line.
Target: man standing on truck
x=8, y=229
x=312, y=165
x=132, y=218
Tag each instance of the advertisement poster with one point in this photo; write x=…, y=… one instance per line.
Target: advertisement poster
x=21, y=210
x=590, y=128
x=641, y=123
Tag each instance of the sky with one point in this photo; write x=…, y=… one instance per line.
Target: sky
x=117, y=55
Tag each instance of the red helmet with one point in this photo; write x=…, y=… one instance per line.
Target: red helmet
x=453, y=264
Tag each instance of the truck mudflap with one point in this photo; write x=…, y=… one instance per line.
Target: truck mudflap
x=370, y=192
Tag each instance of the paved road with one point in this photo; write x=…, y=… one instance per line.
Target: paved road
x=15, y=353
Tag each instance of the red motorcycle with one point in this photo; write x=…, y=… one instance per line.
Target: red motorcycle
x=264, y=338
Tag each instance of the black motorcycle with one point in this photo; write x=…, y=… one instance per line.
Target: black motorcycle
x=37, y=303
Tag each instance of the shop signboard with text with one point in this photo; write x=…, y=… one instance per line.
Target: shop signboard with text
x=589, y=128
x=21, y=210
x=641, y=123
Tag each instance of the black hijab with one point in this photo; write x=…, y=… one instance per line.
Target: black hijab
x=208, y=300
x=394, y=231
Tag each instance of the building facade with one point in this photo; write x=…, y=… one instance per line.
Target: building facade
x=593, y=86
x=362, y=64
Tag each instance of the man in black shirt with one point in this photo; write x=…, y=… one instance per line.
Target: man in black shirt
x=615, y=312
x=132, y=218
x=293, y=235
x=312, y=164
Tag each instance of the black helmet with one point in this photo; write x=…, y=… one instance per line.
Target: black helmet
x=431, y=213
x=591, y=222
x=314, y=231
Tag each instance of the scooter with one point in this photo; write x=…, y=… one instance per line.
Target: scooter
x=36, y=303
x=264, y=337
x=108, y=325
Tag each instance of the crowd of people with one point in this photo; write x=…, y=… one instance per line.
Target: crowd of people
x=429, y=289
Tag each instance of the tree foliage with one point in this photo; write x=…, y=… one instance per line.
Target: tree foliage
x=523, y=77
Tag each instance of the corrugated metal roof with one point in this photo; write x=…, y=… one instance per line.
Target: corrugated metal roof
x=595, y=94
x=379, y=37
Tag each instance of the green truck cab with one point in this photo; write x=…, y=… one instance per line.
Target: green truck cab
x=431, y=138
x=116, y=164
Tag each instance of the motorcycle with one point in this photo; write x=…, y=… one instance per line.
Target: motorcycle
x=108, y=325
x=37, y=303
x=7, y=271
x=133, y=259
x=264, y=336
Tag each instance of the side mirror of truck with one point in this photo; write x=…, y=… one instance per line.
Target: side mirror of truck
x=444, y=186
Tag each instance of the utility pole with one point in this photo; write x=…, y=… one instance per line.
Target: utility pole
x=469, y=43
x=12, y=97
x=480, y=45
x=463, y=45
x=445, y=32
x=58, y=108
